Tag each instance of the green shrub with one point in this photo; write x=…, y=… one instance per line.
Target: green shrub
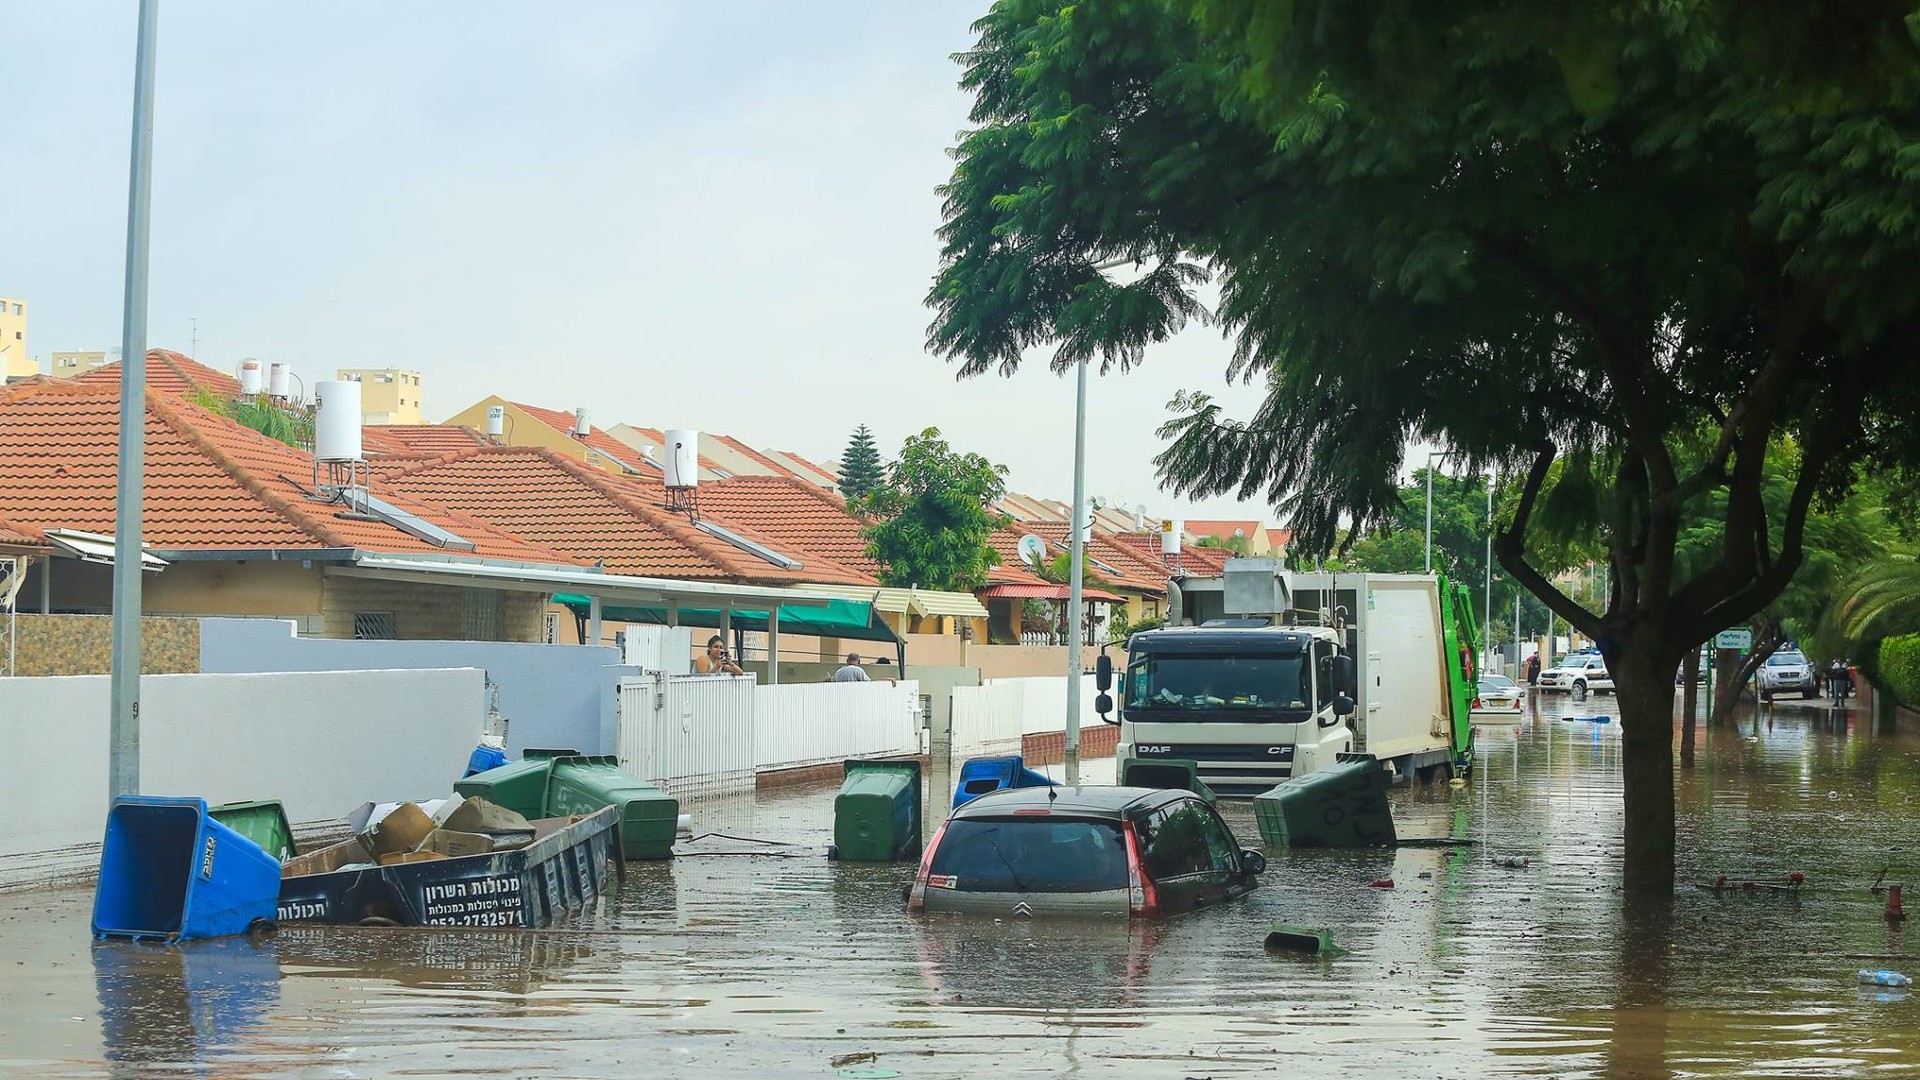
x=1900, y=667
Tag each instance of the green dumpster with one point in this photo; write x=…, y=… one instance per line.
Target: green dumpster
x=263, y=822
x=1344, y=806
x=876, y=816
x=649, y=817
x=1165, y=773
x=520, y=786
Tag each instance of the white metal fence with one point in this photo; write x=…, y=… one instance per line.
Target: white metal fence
x=705, y=735
x=691, y=736
x=991, y=718
x=815, y=723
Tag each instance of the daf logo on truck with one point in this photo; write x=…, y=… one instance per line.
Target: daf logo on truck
x=1265, y=674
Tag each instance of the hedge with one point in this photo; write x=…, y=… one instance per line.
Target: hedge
x=1900, y=668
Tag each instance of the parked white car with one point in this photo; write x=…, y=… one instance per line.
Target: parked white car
x=1497, y=701
x=1785, y=672
x=1584, y=673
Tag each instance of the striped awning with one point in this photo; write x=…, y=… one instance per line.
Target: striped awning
x=1044, y=592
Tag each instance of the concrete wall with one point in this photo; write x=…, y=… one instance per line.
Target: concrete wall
x=322, y=743
x=552, y=695
x=83, y=645
x=424, y=612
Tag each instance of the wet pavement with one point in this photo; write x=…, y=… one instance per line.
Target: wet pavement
x=767, y=960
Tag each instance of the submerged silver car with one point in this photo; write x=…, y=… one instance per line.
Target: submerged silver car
x=1112, y=852
x=1787, y=671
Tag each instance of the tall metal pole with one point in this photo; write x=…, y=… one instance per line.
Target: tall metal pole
x=1077, y=561
x=1489, y=608
x=123, y=745
x=1429, y=513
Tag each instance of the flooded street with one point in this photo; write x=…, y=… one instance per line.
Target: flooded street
x=765, y=959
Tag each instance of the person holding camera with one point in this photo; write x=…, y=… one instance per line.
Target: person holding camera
x=715, y=660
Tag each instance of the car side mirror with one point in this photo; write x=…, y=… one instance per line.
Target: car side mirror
x=1252, y=862
x=1103, y=673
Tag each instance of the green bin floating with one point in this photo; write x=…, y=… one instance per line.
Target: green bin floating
x=264, y=823
x=1342, y=807
x=1164, y=773
x=564, y=783
x=1302, y=939
x=649, y=817
x=876, y=816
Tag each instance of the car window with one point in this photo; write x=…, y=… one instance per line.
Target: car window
x=1186, y=839
x=1030, y=854
x=1786, y=660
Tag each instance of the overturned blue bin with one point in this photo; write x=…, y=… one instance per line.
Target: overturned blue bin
x=983, y=774
x=171, y=872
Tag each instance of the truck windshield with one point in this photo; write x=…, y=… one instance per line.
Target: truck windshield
x=1219, y=682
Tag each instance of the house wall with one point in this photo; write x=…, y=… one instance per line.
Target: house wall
x=83, y=645
x=525, y=430
x=425, y=612
x=551, y=695
x=322, y=743
x=287, y=590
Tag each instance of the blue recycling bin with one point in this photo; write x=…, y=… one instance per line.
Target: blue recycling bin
x=171, y=872
x=484, y=758
x=983, y=774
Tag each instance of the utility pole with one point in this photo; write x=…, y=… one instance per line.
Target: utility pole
x=1489, y=607
x=123, y=742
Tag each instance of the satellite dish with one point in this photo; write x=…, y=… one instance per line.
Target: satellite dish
x=1032, y=549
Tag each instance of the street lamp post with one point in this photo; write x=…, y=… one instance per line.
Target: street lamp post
x=1489, y=608
x=1431, y=455
x=123, y=738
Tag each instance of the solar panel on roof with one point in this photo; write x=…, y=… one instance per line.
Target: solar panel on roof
x=365, y=502
x=750, y=547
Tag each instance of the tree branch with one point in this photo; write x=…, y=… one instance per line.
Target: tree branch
x=1510, y=545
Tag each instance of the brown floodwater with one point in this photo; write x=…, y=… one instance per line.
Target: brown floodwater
x=778, y=963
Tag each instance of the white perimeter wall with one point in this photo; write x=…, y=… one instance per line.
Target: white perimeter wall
x=321, y=742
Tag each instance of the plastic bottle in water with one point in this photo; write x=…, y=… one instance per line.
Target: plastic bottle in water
x=1884, y=978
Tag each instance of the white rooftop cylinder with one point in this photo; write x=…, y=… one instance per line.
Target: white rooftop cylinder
x=580, y=425
x=280, y=380
x=1170, y=536
x=249, y=376
x=336, y=421
x=683, y=458
x=496, y=420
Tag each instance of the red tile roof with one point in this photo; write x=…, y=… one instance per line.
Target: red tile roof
x=826, y=478
x=1013, y=570
x=386, y=440
x=18, y=536
x=596, y=439
x=167, y=372
x=800, y=515
x=1129, y=569
x=1194, y=561
x=1045, y=591
x=210, y=483
x=559, y=503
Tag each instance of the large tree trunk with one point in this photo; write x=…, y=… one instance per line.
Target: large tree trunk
x=1643, y=679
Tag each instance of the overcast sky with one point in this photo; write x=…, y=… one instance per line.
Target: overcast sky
x=691, y=214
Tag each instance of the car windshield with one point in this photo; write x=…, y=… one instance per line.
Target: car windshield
x=1497, y=682
x=1030, y=854
x=1786, y=660
x=1219, y=682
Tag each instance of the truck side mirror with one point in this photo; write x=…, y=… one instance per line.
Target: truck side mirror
x=1346, y=678
x=1103, y=673
x=1342, y=704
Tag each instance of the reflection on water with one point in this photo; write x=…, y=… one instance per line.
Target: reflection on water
x=768, y=959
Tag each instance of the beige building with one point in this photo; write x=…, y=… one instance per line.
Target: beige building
x=66, y=365
x=387, y=395
x=14, y=361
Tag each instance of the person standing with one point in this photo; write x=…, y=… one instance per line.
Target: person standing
x=1533, y=669
x=715, y=660
x=851, y=671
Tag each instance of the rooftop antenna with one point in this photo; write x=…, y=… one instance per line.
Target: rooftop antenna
x=193, y=338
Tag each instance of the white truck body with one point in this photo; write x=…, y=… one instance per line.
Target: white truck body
x=1391, y=624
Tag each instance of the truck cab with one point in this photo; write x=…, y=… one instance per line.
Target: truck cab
x=1250, y=705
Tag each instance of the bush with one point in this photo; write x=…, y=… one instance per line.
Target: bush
x=1900, y=668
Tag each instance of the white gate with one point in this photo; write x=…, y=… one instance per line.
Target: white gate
x=692, y=736
x=816, y=723
x=986, y=720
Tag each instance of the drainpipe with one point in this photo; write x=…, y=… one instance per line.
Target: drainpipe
x=594, y=628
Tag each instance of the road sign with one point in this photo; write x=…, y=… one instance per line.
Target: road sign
x=1741, y=639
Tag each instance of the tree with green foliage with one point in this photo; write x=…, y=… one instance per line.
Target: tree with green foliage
x=1236, y=545
x=931, y=517
x=860, y=467
x=1640, y=242
x=290, y=426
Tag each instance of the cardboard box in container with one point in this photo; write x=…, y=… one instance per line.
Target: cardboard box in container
x=455, y=845
x=400, y=830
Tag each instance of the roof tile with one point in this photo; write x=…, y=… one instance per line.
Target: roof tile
x=167, y=372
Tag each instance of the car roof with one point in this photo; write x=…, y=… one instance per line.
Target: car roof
x=1096, y=801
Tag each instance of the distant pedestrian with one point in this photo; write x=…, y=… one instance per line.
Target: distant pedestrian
x=715, y=660
x=851, y=671
x=1533, y=669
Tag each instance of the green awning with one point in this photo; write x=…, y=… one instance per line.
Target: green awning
x=855, y=620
